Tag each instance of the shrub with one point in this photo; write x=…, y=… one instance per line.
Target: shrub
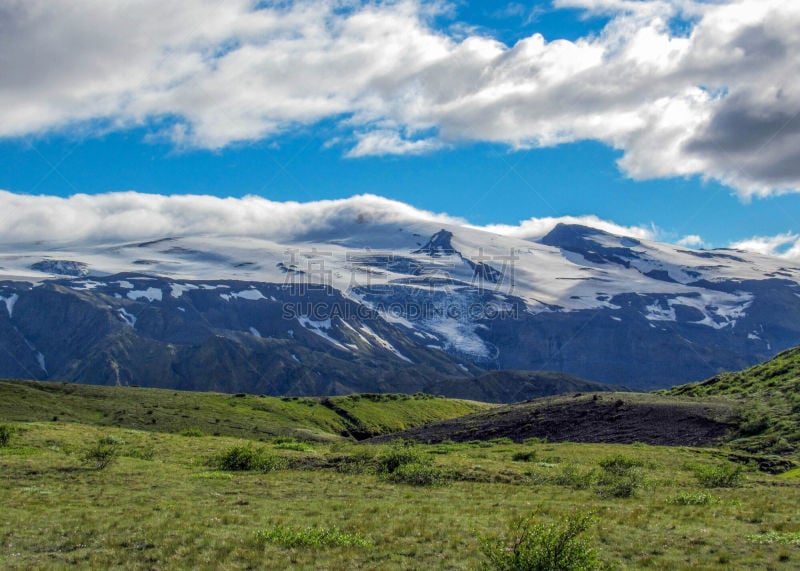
x=310, y=537
x=621, y=477
x=362, y=461
x=572, y=477
x=723, y=476
x=619, y=485
x=542, y=546
x=102, y=454
x=419, y=475
x=247, y=458
x=193, y=432
x=525, y=456
x=6, y=433
x=620, y=464
x=399, y=455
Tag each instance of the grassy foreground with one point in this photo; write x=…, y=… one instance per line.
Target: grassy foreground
x=167, y=502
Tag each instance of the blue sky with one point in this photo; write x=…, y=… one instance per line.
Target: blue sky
x=468, y=112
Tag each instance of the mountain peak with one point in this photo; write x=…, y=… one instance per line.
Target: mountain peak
x=440, y=244
x=576, y=236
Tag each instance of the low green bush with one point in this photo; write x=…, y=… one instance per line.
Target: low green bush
x=721, y=476
x=524, y=456
x=621, y=477
x=193, y=432
x=102, y=454
x=6, y=433
x=542, y=546
x=619, y=485
x=573, y=477
x=399, y=455
x=248, y=459
x=419, y=475
x=620, y=464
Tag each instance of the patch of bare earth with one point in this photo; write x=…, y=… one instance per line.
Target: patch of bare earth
x=622, y=418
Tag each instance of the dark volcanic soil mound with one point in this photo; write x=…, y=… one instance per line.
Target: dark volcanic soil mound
x=621, y=418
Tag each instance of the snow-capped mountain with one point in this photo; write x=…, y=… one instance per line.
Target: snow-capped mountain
x=371, y=304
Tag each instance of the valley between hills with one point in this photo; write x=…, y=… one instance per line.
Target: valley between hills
x=701, y=476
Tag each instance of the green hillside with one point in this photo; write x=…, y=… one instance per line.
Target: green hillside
x=768, y=399
x=239, y=415
x=778, y=376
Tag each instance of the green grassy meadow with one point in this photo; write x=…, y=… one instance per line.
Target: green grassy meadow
x=164, y=503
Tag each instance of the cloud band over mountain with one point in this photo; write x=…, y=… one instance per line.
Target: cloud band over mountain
x=681, y=88
x=132, y=216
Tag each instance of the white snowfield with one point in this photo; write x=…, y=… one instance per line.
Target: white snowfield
x=357, y=256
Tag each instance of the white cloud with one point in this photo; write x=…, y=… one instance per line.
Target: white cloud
x=692, y=241
x=535, y=228
x=389, y=142
x=681, y=87
x=131, y=216
x=782, y=246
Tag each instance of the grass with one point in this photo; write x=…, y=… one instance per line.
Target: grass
x=316, y=537
x=198, y=414
x=768, y=400
x=160, y=505
x=375, y=414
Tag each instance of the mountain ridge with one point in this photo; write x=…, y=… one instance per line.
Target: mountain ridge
x=449, y=301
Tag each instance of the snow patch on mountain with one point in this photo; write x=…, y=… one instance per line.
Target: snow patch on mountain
x=10, y=302
x=177, y=290
x=320, y=328
x=151, y=294
x=129, y=319
x=384, y=343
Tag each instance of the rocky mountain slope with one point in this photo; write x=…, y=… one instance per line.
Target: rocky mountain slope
x=370, y=305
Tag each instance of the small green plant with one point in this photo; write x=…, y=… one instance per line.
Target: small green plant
x=620, y=464
x=193, y=432
x=689, y=499
x=573, y=477
x=291, y=537
x=399, y=455
x=361, y=461
x=524, y=456
x=621, y=477
x=542, y=546
x=419, y=475
x=247, y=458
x=6, y=433
x=774, y=537
x=296, y=446
x=722, y=476
x=102, y=454
x=616, y=485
